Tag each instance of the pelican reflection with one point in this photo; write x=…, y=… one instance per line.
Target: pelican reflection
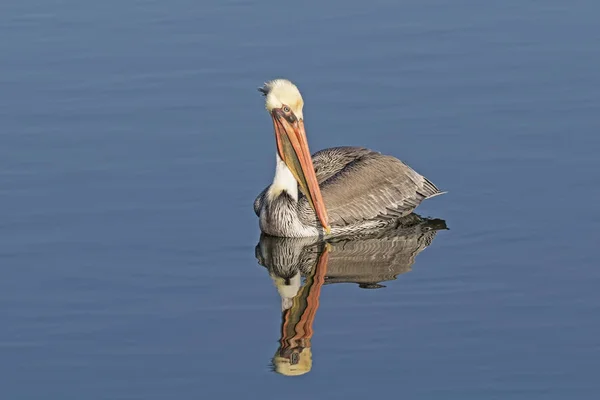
x=364, y=260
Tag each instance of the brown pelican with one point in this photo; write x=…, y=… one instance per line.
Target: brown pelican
x=344, y=190
x=368, y=261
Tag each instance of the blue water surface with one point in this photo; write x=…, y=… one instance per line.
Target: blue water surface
x=133, y=143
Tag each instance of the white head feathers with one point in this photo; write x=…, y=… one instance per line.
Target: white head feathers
x=281, y=91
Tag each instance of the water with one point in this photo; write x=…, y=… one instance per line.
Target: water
x=133, y=143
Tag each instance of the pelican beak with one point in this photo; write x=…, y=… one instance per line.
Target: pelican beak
x=293, y=150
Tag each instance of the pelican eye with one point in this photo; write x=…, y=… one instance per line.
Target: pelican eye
x=286, y=109
x=294, y=358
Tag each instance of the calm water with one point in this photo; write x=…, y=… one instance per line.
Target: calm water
x=133, y=143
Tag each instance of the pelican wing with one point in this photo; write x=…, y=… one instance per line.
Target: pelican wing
x=359, y=184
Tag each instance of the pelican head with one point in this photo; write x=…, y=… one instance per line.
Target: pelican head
x=284, y=103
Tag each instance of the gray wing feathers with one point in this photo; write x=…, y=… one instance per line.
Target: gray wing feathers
x=358, y=184
x=259, y=200
x=329, y=162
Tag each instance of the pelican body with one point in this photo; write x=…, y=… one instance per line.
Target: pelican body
x=336, y=191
